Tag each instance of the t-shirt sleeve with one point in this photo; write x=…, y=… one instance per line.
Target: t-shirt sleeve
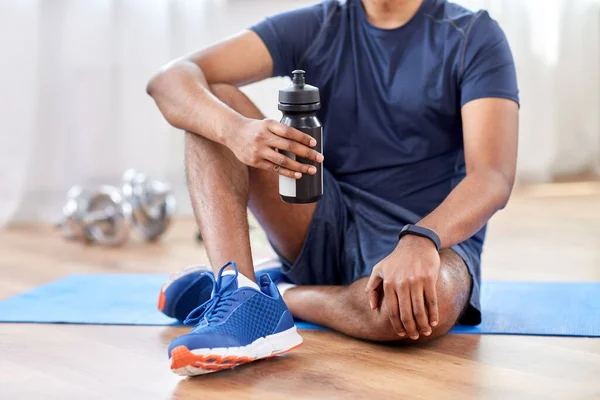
x=487, y=65
x=289, y=36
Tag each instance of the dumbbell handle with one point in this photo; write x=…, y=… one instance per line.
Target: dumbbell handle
x=99, y=215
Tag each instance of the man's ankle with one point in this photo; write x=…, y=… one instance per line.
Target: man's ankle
x=283, y=287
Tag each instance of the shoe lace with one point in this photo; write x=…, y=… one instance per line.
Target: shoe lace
x=213, y=309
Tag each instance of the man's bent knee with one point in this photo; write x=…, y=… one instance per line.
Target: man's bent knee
x=236, y=99
x=379, y=328
x=453, y=289
x=223, y=91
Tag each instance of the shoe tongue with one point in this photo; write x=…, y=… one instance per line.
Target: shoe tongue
x=241, y=282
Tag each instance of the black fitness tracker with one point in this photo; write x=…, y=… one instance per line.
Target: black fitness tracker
x=410, y=229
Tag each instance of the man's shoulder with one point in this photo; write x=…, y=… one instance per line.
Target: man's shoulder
x=327, y=8
x=331, y=10
x=461, y=19
x=312, y=16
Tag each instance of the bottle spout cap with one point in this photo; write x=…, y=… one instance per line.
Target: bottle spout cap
x=299, y=96
x=298, y=78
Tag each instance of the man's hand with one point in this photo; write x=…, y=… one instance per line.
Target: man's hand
x=409, y=275
x=255, y=143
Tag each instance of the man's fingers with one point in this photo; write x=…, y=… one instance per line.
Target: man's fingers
x=298, y=149
x=288, y=132
x=391, y=304
x=372, y=286
x=269, y=166
x=374, y=280
x=432, y=303
x=406, y=311
x=374, y=299
x=284, y=161
x=417, y=296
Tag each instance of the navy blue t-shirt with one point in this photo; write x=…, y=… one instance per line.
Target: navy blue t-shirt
x=391, y=98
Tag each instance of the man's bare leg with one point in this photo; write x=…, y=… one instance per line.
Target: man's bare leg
x=346, y=308
x=221, y=188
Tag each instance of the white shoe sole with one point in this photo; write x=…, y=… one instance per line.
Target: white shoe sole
x=186, y=362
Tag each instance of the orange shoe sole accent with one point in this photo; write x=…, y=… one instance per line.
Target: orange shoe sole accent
x=182, y=357
x=162, y=300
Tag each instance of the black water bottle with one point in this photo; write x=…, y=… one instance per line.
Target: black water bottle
x=299, y=104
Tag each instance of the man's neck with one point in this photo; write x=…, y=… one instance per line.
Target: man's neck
x=390, y=14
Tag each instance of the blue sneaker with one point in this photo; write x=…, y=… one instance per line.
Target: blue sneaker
x=240, y=323
x=187, y=289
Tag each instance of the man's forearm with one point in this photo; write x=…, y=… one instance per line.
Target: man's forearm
x=468, y=207
x=182, y=95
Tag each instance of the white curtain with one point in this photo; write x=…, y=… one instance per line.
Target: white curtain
x=556, y=46
x=73, y=109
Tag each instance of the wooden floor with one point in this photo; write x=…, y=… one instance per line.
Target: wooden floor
x=549, y=232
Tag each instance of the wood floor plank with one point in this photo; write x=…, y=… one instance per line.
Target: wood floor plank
x=53, y=361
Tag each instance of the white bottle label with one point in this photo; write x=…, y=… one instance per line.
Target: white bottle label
x=287, y=186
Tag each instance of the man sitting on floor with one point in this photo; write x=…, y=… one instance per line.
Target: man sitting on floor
x=419, y=108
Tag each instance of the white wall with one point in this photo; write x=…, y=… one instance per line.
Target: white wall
x=73, y=107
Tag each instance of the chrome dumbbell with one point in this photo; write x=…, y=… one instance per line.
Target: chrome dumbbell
x=151, y=201
x=100, y=216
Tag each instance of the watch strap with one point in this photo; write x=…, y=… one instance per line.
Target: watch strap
x=416, y=230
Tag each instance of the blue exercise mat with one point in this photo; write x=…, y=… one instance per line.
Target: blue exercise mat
x=521, y=308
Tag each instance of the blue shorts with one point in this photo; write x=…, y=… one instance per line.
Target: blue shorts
x=353, y=230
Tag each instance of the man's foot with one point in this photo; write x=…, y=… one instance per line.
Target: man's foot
x=240, y=323
x=187, y=289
